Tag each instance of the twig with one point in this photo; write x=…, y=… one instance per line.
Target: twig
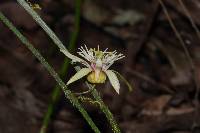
x=53, y=73
x=190, y=18
x=192, y=66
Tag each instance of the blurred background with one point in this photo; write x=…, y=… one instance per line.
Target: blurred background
x=165, y=95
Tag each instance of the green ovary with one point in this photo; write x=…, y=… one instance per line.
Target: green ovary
x=92, y=78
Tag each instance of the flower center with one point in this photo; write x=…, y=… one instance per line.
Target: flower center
x=99, y=63
x=97, y=76
x=99, y=54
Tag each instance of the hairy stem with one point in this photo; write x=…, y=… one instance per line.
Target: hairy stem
x=105, y=110
x=53, y=73
x=56, y=94
x=103, y=107
x=95, y=94
x=44, y=26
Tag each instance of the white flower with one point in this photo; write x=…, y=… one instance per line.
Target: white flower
x=96, y=65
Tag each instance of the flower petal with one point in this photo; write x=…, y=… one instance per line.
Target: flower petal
x=81, y=73
x=73, y=57
x=113, y=80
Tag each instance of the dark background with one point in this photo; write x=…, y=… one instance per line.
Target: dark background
x=156, y=65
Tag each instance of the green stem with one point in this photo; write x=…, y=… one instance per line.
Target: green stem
x=44, y=26
x=103, y=107
x=53, y=73
x=37, y=18
x=56, y=94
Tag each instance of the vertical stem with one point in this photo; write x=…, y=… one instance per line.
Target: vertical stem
x=103, y=107
x=56, y=94
x=53, y=73
x=37, y=18
x=106, y=111
x=44, y=26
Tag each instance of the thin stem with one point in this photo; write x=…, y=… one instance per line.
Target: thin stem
x=90, y=100
x=105, y=110
x=56, y=94
x=192, y=66
x=84, y=92
x=103, y=107
x=177, y=34
x=37, y=18
x=53, y=73
x=190, y=18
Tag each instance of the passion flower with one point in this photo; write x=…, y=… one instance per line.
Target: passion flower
x=97, y=64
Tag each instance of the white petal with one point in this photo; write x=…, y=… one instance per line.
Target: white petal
x=113, y=80
x=81, y=73
x=74, y=58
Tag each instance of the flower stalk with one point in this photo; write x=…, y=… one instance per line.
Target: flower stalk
x=55, y=39
x=69, y=95
x=56, y=93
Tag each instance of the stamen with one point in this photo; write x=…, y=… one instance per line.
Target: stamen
x=96, y=56
x=105, y=50
x=86, y=48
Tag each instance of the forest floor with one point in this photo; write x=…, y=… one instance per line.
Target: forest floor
x=156, y=65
